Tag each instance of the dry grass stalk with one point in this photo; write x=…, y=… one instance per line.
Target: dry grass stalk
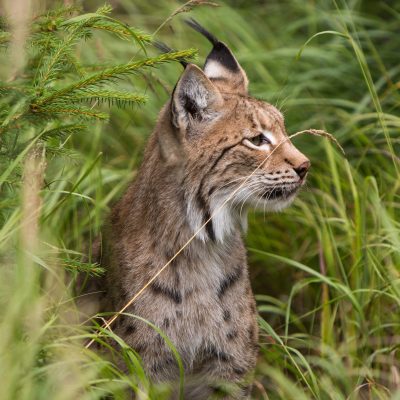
x=33, y=179
x=19, y=13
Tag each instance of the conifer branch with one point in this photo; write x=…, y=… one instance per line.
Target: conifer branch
x=77, y=111
x=100, y=19
x=122, y=32
x=63, y=130
x=112, y=97
x=48, y=70
x=113, y=73
x=58, y=12
x=46, y=100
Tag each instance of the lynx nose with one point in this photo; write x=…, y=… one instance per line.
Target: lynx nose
x=302, y=169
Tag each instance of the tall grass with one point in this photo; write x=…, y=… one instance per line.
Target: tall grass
x=325, y=271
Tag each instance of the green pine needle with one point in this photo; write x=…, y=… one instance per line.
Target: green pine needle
x=82, y=112
x=112, y=97
x=112, y=73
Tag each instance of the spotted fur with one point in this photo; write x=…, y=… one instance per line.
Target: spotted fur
x=201, y=150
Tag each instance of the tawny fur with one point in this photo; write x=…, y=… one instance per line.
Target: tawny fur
x=195, y=159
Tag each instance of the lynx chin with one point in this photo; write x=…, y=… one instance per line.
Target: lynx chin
x=209, y=137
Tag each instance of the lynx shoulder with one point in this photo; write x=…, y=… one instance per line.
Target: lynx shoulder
x=215, y=151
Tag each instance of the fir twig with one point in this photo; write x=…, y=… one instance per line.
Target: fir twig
x=100, y=19
x=112, y=97
x=113, y=73
x=78, y=111
x=63, y=130
x=122, y=32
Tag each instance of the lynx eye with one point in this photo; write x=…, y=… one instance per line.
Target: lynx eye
x=257, y=142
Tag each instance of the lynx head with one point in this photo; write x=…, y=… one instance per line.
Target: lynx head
x=223, y=136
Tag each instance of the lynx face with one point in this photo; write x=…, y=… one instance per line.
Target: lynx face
x=235, y=147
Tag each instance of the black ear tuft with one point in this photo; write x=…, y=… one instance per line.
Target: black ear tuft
x=221, y=54
x=197, y=27
x=220, y=51
x=166, y=49
x=221, y=65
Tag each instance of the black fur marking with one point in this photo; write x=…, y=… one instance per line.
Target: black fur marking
x=221, y=140
x=218, y=391
x=139, y=348
x=166, y=322
x=221, y=54
x=223, y=356
x=252, y=334
x=289, y=162
x=159, y=340
x=163, y=365
x=130, y=329
x=169, y=254
x=172, y=293
x=227, y=315
x=210, y=227
x=223, y=152
x=177, y=278
x=239, y=371
x=232, y=335
x=215, y=187
x=229, y=281
x=213, y=353
x=207, y=215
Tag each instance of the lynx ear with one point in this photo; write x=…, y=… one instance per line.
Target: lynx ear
x=221, y=65
x=195, y=99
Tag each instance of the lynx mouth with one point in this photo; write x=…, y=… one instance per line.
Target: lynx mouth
x=280, y=192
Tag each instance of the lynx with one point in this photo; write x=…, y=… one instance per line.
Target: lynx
x=215, y=152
